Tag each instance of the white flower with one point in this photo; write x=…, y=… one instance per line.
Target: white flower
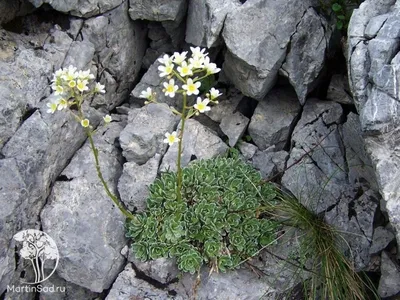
x=52, y=107
x=178, y=58
x=147, y=94
x=214, y=93
x=59, y=73
x=192, y=88
x=197, y=62
x=171, y=138
x=62, y=104
x=69, y=74
x=210, y=67
x=58, y=90
x=170, y=88
x=82, y=85
x=72, y=83
x=107, y=118
x=201, y=106
x=99, y=88
x=85, y=75
x=198, y=53
x=185, y=69
x=85, y=123
x=166, y=70
x=165, y=60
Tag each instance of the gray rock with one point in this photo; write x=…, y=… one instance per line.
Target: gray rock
x=64, y=290
x=354, y=217
x=255, y=72
x=11, y=9
x=153, y=80
x=134, y=182
x=235, y=284
x=269, y=163
x=119, y=64
x=317, y=178
x=81, y=205
x=205, y=20
x=339, y=90
x=198, y=143
x=374, y=25
x=358, y=161
x=234, y=127
x=128, y=287
x=227, y=105
x=80, y=8
x=162, y=269
x=381, y=238
x=144, y=135
x=273, y=118
x=248, y=150
x=155, y=10
x=389, y=284
x=34, y=157
x=308, y=47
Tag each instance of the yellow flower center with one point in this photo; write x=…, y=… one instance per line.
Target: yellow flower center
x=201, y=106
x=168, y=69
x=72, y=83
x=171, y=139
x=191, y=87
x=170, y=88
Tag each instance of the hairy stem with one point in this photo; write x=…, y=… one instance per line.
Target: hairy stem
x=100, y=175
x=183, y=119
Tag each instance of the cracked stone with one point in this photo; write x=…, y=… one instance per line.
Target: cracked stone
x=339, y=90
x=134, y=182
x=273, y=118
x=129, y=287
x=381, y=238
x=389, y=284
x=144, y=135
x=205, y=21
x=255, y=72
x=234, y=126
x=248, y=150
x=198, y=143
x=81, y=205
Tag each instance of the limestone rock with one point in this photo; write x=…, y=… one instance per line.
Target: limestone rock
x=339, y=90
x=155, y=10
x=205, y=21
x=128, y=287
x=254, y=72
x=80, y=8
x=234, y=127
x=273, y=119
x=134, y=183
x=198, y=143
x=389, y=284
x=79, y=204
x=382, y=237
x=144, y=135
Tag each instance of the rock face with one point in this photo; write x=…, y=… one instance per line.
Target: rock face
x=255, y=72
x=389, y=283
x=33, y=158
x=373, y=64
x=273, y=119
x=144, y=135
x=80, y=8
x=198, y=143
x=128, y=286
x=79, y=204
x=134, y=182
x=155, y=10
x=205, y=20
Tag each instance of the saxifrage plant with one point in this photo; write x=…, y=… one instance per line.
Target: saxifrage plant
x=217, y=221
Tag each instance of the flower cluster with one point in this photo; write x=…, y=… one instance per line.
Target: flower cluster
x=71, y=86
x=184, y=75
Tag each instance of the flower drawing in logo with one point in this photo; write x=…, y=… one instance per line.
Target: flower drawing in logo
x=38, y=248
